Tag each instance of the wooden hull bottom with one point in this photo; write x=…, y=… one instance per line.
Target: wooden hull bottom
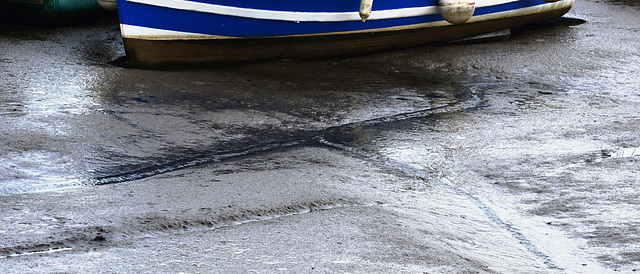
x=147, y=53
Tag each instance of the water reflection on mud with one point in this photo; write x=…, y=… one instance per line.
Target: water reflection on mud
x=48, y=89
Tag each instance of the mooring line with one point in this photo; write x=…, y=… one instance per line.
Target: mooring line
x=486, y=209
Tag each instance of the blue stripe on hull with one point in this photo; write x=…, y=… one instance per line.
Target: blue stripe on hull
x=213, y=24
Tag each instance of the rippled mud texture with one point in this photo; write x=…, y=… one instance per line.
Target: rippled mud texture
x=511, y=154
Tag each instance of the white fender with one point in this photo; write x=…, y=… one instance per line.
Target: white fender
x=365, y=9
x=108, y=4
x=456, y=11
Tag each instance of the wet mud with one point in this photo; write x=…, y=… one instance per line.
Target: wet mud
x=516, y=153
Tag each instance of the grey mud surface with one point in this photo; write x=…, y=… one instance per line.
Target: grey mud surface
x=513, y=155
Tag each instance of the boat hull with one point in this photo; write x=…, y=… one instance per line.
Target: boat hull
x=165, y=48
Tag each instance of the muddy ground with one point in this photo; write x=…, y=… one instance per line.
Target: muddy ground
x=518, y=154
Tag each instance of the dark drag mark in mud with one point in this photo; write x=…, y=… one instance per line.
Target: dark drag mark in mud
x=271, y=141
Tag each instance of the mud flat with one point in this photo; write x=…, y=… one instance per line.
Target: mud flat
x=517, y=154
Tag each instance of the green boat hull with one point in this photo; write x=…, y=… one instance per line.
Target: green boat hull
x=48, y=10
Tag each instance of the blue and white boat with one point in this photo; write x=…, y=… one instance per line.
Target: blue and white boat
x=169, y=32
